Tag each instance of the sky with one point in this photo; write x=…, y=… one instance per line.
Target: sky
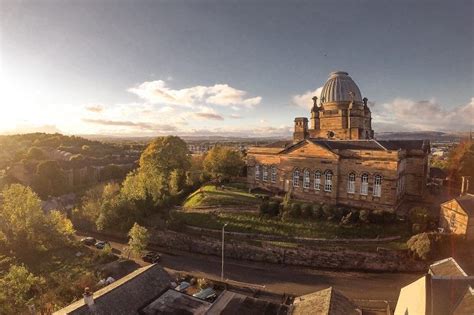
x=230, y=68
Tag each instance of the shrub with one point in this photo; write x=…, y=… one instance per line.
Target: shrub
x=364, y=216
x=286, y=215
x=427, y=246
x=306, y=211
x=273, y=208
x=295, y=211
x=376, y=217
x=419, y=216
x=286, y=200
x=264, y=208
x=317, y=211
x=326, y=211
x=349, y=218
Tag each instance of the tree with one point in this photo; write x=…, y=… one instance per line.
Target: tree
x=35, y=153
x=139, y=237
x=17, y=289
x=49, y=179
x=223, y=162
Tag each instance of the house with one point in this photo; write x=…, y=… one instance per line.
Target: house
x=338, y=160
x=445, y=290
x=457, y=215
x=325, y=302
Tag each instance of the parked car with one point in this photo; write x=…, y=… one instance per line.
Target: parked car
x=151, y=257
x=101, y=244
x=182, y=286
x=89, y=241
x=207, y=294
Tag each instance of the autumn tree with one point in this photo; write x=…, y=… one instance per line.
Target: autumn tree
x=49, y=179
x=223, y=162
x=18, y=288
x=139, y=238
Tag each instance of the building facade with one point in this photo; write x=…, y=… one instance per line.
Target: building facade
x=337, y=160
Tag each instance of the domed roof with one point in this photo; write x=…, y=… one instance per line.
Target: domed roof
x=338, y=88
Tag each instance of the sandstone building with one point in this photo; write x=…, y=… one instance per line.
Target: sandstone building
x=337, y=160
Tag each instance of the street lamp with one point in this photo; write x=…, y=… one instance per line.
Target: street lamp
x=222, y=266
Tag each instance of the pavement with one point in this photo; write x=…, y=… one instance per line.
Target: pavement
x=281, y=279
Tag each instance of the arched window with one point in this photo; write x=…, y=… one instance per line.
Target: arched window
x=296, y=178
x=257, y=172
x=328, y=181
x=273, y=175
x=317, y=180
x=364, y=185
x=265, y=173
x=377, y=186
x=351, y=183
x=306, y=179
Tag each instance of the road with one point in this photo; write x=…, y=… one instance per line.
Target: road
x=288, y=279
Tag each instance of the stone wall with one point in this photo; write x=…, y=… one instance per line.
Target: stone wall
x=333, y=258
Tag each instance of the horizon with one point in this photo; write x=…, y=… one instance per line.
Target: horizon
x=230, y=69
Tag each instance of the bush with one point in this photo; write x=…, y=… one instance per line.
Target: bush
x=376, y=217
x=349, y=218
x=419, y=216
x=364, y=216
x=317, y=211
x=295, y=211
x=327, y=211
x=306, y=211
x=427, y=246
x=273, y=208
x=264, y=208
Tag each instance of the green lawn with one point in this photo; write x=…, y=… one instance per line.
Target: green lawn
x=253, y=223
x=209, y=195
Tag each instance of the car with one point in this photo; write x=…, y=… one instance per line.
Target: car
x=101, y=244
x=89, y=241
x=206, y=294
x=182, y=286
x=151, y=257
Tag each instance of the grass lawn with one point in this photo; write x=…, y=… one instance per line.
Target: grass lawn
x=253, y=223
x=231, y=195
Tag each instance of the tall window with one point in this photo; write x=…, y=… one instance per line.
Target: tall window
x=377, y=186
x=351, y=183
x=328, y=181
x=273, y=175
x=257, y=172
x=296, y=178
x=317, y=180
x=306, y=179
x=265, y=173
x=364, y=185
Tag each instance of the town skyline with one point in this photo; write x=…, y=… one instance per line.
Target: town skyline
x=232, y=69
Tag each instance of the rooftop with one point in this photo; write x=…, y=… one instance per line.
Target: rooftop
x=324, y=302
x=447, y=267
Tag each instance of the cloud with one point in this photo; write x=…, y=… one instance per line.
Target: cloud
x=139, y=125
x=31, y=128
x=94, y=108
x=158, y=92
x=305, y=100
x=235, y=116
x=410, y=115
x=209, y=116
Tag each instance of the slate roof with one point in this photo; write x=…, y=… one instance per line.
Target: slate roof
x=445, y=295
x=436, y=172
x=447, y=267
x=324, y=302
x=279, y=144
x=467, y=203
x=126, y=295
x=230, y=303
x=466, y=305
x=173, y=302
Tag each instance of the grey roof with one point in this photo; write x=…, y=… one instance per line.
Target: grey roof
x=445, y=294
x=279, y=144
x=466, y=305
x=325, y=302
x=230, y=303
x=405, y=144
x=173, y=302
x=467, y=203
x=436, y=172
x=349, y=144
x=338, y=87
x=126, y=295
x=447, y=267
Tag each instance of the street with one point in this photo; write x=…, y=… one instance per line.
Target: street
x=287, y=279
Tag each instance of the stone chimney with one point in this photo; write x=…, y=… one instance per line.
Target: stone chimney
x=465, y=185
x=301, y=129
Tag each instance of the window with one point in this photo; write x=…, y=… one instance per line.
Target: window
x=306, y=179
x=351, y=183
x=378, y=186
x=364, y=185
x=317, y=180
x=296, y=178
x=265, y=173
x=328, y=181
x=273, y=174
x=257, y=172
